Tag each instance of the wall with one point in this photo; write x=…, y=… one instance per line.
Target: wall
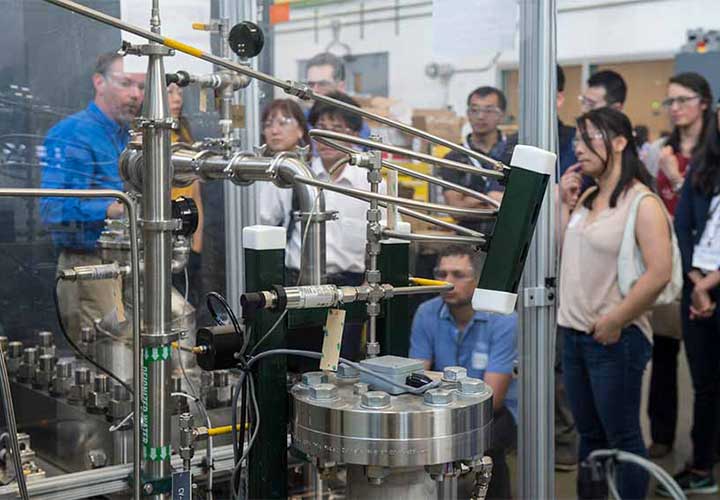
x=176, y=17
x=587, y=30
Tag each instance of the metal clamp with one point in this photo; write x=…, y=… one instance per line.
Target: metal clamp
x=168, y=123
x=298, y=89
x=169, y=225
x=161, y=339
x=315, y=216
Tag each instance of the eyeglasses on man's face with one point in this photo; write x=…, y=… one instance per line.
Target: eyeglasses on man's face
x=455, y=274
x=474, y=111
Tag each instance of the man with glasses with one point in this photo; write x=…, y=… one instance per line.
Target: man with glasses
x=604, y=89
x=446, y=331
x=325, y=74
x=485, y=111
x=82, y=152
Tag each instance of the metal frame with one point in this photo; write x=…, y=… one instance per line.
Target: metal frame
x=538, y=127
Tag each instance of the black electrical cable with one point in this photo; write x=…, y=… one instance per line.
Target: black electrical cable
x=226, y=306
x=75, y=347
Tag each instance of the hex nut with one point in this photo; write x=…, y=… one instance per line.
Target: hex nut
x=439, y=397
x=360, y=388
x=454, y=373
x=314, y=378
x=323, y=392
x=373, y=348
x=375, y=399
x=471, y=386
x=347, y=371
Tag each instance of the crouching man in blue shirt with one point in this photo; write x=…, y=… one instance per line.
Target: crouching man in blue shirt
x=447, y=332
x=82, y=152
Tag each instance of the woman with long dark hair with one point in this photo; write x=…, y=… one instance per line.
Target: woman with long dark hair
x=689, y=106
x=697, y=223
x=607, y=335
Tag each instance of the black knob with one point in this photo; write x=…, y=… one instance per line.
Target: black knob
x=186, y=210
x=246, y=39
x=181, y=78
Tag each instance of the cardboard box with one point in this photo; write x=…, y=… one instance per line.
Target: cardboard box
x=439, y=122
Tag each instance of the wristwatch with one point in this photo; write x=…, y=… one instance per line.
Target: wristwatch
x=678, y=185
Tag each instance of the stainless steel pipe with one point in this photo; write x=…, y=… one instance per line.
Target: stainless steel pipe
x=282, y=170
x=157, y=241
x=431, y=207
x=473, y=240
x=418, y=175
x=435, y=221
x=319, y=134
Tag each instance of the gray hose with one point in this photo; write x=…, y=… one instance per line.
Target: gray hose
x=661, y=475
x=9, y=411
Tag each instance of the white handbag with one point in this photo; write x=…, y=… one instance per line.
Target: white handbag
x=630, y=260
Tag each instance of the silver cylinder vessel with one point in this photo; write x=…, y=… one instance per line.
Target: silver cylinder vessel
x=394, y=447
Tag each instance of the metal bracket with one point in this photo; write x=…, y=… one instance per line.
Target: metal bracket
x=539, y=296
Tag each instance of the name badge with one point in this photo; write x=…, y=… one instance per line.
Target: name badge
x=479, y=360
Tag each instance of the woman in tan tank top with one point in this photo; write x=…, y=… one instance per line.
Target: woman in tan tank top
x=607, y=336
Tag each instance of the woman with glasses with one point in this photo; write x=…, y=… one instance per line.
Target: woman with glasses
x=697, y=223
x=284, y=129
x=689, y=106
x=607, y=335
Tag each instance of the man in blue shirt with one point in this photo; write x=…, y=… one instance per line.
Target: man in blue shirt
x=485, y=112
x=82, y=152
x=446, y=331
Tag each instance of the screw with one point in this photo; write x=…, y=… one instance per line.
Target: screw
x=323, y=392
x=87, y=335
x=45, y=339
x=454, y=373
x=30, y=355
x=375, y=399
x=15, y=349
x=314, y=378
x=470, y=385
x=63, y=368
x=438, y=397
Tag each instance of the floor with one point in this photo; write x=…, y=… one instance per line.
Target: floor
x=565, y=481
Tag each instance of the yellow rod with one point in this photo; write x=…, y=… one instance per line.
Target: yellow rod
x=427, y=282
x=225, y=429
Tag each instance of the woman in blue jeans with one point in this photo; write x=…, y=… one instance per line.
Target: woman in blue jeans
x=607, y=336
x=697, y=224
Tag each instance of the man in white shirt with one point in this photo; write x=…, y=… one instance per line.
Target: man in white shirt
x=345, y=237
